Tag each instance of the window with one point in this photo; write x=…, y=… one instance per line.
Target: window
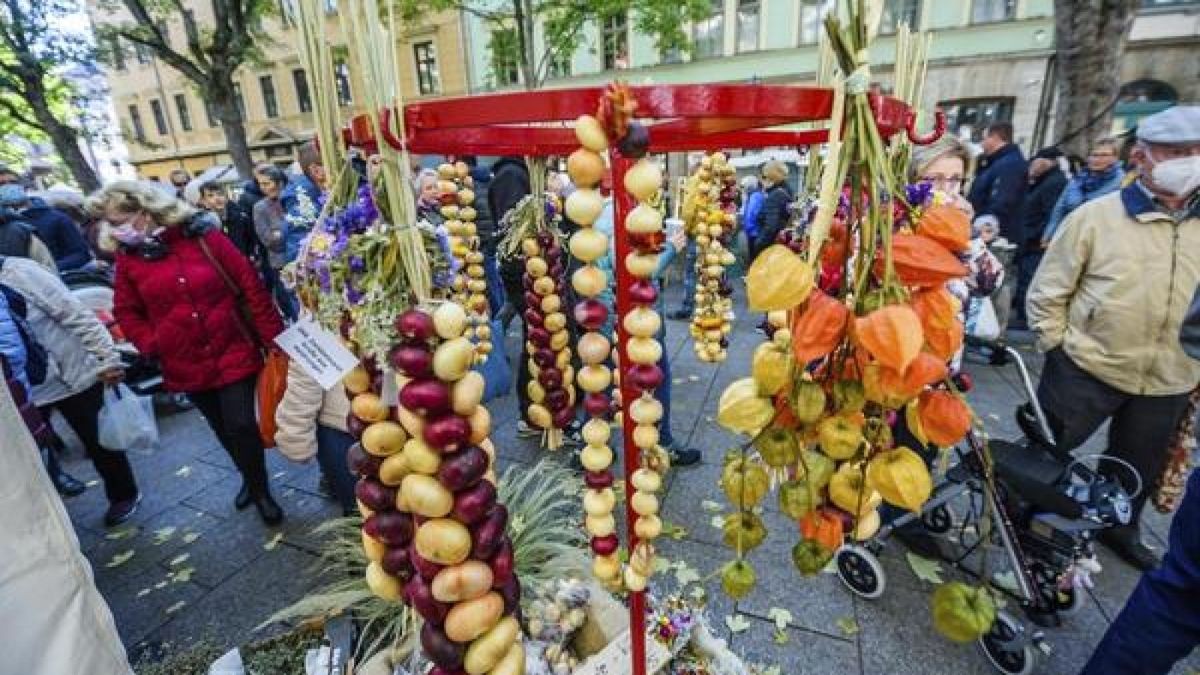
x=812, y=19
x=210, y=112
x=987, y=11
x=428, y=81
x=341, y=75
x=142, y=52
x=616, y=42
x=748, y=15
x=967, y=118
x=241, y=100
x=708, y=35
x=135, y=123
x=503, y=47
x=160, y=119
x=896, y=12
x=185, y=116
x=300, y=81
x=270, y=103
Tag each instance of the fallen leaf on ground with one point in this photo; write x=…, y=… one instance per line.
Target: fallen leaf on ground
x=697, y=593
x=661, y=565
x=183, y=574
x=686, y=575
x=176, y=607
x=179, y=559
x=184, y=471
x=780, y=616
x=717, y=522
x=91, y=483
x=676, y=532
x=737, y=623
x=677, y=380
x=278, y=474
x=781, y=637
x=161, y=585
x=162, y=535
x=189, y=537
x=144, y=592
x=847, y=625
x=1005, y=580
x=274, y=541
x=122, y=533
x=710, y=505
x=924, y=568
x=119, y=559
x=693, y=378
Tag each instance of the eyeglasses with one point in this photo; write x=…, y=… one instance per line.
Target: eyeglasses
x=939, y=181
x=1163, y=152
x=1102, y=153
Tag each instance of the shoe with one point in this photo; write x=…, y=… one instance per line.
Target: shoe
x=1126, y=543
x=527, y=430
x=119, y=512
x=683, y=456
x=999, y=357
x=916, y=539
x=242, y=500
x=268, y=509
x=67, y=485
x=680, y=315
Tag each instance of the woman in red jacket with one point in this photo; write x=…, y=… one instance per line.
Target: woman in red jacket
x=185, y=295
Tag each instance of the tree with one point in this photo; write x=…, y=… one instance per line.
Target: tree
x=35, y=99
x=211, y=57
x=1091, y=36
x=559, y=24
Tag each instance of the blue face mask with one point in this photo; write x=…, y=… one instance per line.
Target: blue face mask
x=12, y=195
x=128, y=235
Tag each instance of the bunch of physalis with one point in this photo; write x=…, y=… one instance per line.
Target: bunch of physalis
x=846, y=368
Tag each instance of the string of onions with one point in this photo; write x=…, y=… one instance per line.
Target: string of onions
x=712, y=217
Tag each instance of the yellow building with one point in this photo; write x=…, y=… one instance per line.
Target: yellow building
x=167, y=126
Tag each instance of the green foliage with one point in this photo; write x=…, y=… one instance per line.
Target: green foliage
x=561, y=24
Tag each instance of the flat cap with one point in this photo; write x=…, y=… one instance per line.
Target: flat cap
x=1178, y=124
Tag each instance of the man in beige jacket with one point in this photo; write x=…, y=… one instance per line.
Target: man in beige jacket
x=1107, y=304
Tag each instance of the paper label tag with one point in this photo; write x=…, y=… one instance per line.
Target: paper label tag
x=615, y=659
x=317, y=351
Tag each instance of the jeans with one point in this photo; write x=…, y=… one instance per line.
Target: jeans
x=1076, y=404
x=81, y=412
x=1160, y=623
x=495, y=285
x=230, y=412
x=332, y=445
x=689, y=278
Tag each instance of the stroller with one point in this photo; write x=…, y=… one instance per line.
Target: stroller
x=1048, y=508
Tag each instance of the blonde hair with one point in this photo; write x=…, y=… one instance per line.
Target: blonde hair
x=775, y=171
x=131, y=196
x=946, y=146
x=1108, y=142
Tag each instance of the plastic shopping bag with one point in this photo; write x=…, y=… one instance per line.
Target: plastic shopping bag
x=272, y=383
x=126, y=421
x=982, y=323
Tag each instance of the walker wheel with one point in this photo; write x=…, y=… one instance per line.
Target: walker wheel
x=861, y=571
x=1007, y=648
x=938, y=520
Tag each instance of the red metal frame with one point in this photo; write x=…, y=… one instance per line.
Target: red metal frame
x=678, y=117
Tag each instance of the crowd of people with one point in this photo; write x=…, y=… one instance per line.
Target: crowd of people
x=1100, y=263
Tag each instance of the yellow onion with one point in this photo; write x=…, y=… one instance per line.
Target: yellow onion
x=644, y=350
x=643, y=180
x=644, y=219
x=584, y=206
x=591, y=134
x=593, y=348
x=589, y=281
x=589, y=244
x=642, y=322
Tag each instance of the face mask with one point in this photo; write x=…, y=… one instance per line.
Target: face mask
x=128, y=235
x=1179, y=176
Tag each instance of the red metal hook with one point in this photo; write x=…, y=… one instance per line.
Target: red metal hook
x=939, y=127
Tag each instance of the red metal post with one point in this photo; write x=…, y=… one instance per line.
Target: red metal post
x=622, y=204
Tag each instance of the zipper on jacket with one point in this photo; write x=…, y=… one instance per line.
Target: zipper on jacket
x=1162, y=329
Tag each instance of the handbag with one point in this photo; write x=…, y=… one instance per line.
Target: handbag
x=272, y=379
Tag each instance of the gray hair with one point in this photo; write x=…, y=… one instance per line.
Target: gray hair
x=131, y=196
x=946, y=146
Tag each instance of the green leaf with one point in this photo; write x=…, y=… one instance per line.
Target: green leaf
x=737, y=623
x=711, y=506
x=684, y=574
x=189, y=537
x=676, y=532
x=698, y=594
x=780, y=616
x=781, y=637
x=179, y=559
x=717, y=522
x=273, y=542
x=119, y=559
x=176, y=607
x=924, y=568
x=183, y=574
x=847, y=625
x=661, y=565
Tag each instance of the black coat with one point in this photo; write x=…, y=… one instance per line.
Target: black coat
x=999, y=188
x=59, y=233
x=510, y=184
x=238, y=225
x=1037, y=206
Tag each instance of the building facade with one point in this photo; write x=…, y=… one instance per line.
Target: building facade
x=166, y=125
x=991, y=60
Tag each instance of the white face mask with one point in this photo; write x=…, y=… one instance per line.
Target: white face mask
x=1179, y=176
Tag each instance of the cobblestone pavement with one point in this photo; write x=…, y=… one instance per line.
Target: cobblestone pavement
x=189, y=567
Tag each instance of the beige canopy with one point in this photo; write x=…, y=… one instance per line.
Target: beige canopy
x=53, y=619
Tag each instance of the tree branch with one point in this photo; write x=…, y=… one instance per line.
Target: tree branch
x=17, y=114
x=157, y=41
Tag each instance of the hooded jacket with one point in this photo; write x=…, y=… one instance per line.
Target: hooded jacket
x=1113, y=289
x=1037, y=206
x=1083, y=187
x=304, y=406
x=12, y=347
x=178, y=309
x=301, y=202
x=59, y=233
x=78, y=346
